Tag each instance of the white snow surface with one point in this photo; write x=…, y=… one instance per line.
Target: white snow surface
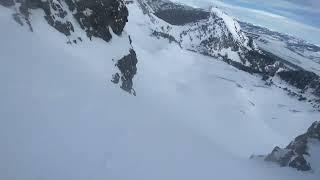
x=194, y=117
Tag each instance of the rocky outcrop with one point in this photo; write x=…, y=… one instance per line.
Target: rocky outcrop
x=297, y=154
x=128, y=69
x=182, y=16
x=165, y=36
x=95, y=17
x=177, y=14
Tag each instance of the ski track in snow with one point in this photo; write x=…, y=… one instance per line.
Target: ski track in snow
x=62, y=118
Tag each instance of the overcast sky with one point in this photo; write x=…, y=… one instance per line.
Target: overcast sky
x=297, y=17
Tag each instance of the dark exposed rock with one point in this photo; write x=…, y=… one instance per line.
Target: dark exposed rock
x=174, y=13
x=54, y=13
x=165, y=36
x=261, y=62
x=95, y=16
x=294, y=155
x=290, y=158
x=128, y=69
x=181, y=16
x=17, y=18
x=115, y=78
x=6, y=3
x=302, y=79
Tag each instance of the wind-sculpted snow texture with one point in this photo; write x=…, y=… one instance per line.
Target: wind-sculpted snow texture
x=299, y=153
x=97, y=18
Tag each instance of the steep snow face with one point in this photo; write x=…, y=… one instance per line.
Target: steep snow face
x=232, y=26
x=80, y=20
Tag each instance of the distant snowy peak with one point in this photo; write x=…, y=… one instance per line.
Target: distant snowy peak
x=232, y=25
x=210, y=32
x=302, y=153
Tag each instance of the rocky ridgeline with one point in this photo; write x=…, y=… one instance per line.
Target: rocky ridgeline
x=96, y=17
x=297, y=153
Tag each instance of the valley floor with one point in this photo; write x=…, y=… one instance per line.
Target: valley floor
x=194, y=117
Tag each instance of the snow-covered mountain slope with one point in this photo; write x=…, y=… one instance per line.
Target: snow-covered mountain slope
x=220, y=36
x=297, y=51
x=302, y=153
x=193, y=117
x=79, y=20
